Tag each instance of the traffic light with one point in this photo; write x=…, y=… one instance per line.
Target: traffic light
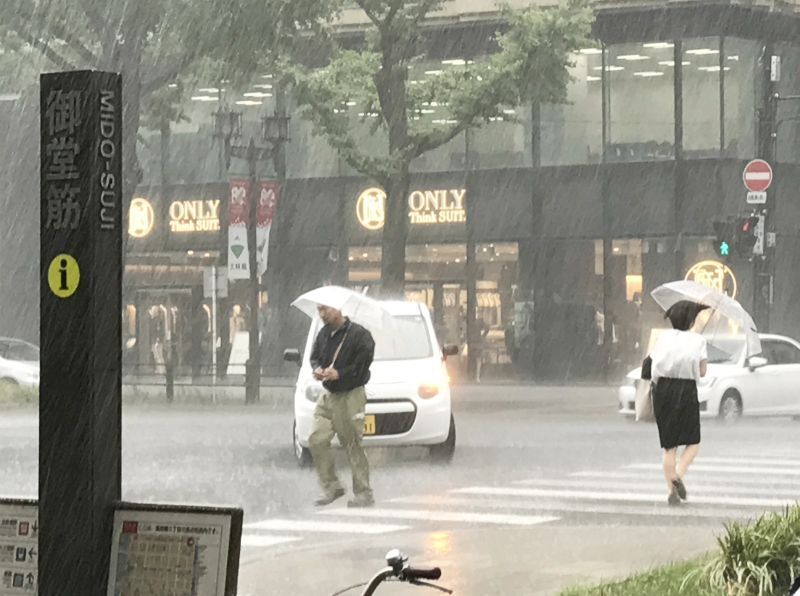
x=746, y=235
x=726, y=238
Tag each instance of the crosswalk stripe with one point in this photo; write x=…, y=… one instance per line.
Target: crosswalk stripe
x=722, y=468
x=655, y=509
x=446, y=516
x=756, y=461
x=318, y=525
x=261, y=541
x=732, y=478
x=616, y=496
x=655, y=483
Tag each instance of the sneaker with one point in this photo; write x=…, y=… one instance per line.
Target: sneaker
x=330, y=498
x=361, y=501
x=680, y=488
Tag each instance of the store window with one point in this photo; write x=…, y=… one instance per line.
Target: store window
x=741, y=97
x=571, y=132
x=702, y=73
x=641, y=111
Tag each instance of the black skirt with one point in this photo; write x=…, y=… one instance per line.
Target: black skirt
x=677, y=412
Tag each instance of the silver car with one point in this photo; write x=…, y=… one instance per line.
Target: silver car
x=19, y=363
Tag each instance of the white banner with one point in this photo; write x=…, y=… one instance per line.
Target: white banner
x=238, y=255
x=262, y=241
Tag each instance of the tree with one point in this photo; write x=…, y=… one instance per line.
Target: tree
x=155, y=42
x=371, y=85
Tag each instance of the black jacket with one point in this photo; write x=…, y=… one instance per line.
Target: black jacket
x=354, y=359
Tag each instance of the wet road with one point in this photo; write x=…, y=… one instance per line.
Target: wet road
x=529, y=461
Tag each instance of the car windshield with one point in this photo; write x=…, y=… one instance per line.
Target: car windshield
x=725, y=351
x=407, y=340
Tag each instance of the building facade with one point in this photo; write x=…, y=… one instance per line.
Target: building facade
x=575, y=211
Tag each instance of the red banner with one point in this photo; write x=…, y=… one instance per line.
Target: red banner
x=238, y=205
x=267, y=201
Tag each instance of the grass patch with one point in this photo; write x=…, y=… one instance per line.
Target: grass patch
x=678, y=579
x=13, y=395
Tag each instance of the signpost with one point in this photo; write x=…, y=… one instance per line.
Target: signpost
x=19, y=547
x=80, y=335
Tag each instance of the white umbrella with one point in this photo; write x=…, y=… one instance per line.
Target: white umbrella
x=359, y=308
x=670, y=293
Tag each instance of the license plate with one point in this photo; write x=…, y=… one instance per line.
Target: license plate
x=369, y=424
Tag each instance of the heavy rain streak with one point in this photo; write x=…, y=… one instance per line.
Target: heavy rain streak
x=397, y=296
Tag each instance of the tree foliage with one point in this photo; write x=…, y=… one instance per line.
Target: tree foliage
x=531, y=65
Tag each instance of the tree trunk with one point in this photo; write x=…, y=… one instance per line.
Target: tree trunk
x=395, y=233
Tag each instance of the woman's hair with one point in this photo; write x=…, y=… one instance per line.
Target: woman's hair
x=683, y=314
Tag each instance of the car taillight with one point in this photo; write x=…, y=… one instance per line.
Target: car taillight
x=427, y=391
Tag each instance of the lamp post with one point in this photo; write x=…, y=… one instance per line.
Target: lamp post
x=274, y=132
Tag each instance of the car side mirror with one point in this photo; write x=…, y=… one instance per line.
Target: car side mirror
x=755, y=362
x=449, y=350
x=292, y=355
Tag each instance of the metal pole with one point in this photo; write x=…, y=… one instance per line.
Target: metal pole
x=213, y=334
x=253, y=368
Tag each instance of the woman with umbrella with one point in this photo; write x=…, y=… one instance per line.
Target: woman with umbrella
x=679, y=360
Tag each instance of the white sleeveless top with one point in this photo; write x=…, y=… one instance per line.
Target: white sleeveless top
x=677, y=355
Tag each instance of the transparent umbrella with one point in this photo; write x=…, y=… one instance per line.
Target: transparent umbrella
x=727, y=319
x=359, y=308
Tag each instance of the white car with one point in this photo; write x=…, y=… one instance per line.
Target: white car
x=408, y=395
x=767, y=384
x=19, y=363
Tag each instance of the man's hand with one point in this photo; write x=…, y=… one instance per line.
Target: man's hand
x=330, y=374
x=319, y=374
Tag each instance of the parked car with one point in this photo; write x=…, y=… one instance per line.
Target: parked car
x=767, y=384
x=408, y=395
x=19, y=363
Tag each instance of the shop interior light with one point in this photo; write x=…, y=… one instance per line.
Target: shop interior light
x=736, y=58
x=712, y=68
x=610, y=68
x=204, y=98
x=633, y=57
x=702, y=52
x=173, y=85
x=591, y=51
x=509, y=112
x=249, y=102
x=263, y=86
x=9, y=96
x=659, y=45
x=256, y=94
x=592, y=79
x=209, y=90
x=648, y=73
x=434, y=72
x=190, y=252
x=266, y=76
x=455, y=62
x=672, y=63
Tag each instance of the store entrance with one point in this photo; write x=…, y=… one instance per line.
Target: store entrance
x=436, y=276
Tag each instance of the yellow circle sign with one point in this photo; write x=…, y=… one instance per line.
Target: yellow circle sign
x=371, y=208
x=715, y=275
x=64, y=276
x=140, y=218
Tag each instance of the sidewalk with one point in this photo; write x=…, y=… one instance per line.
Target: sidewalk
x=542, y=560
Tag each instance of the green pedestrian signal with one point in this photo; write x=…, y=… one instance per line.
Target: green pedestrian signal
x=724, y=249
x=725, y=232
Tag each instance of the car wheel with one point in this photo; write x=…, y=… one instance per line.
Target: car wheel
x=443, y=452
x=730, y=408
x=301, y=454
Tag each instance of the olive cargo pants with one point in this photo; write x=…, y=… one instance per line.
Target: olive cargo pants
x=341, y=414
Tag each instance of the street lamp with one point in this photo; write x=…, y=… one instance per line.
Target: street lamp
x=274, y=132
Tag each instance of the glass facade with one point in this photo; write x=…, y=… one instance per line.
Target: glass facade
x=641, y=114
x=702, y=73
x=788, y=142
x=741, y=96
x=572, y=133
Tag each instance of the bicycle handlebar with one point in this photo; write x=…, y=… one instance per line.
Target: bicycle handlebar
x=433, y=573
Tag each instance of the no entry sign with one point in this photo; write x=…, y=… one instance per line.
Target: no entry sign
x=757, y=175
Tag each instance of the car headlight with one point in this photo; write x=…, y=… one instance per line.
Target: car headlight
x=428, y=390
x=314, y=392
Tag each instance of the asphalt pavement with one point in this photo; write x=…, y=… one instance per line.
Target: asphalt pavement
x=549, y=487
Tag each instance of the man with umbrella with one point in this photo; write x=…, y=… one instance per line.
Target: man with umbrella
x=341, y=359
